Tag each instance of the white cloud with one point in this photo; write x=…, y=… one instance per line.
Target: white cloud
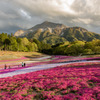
x=24, y=14
x=27, y=13
x=80, y=20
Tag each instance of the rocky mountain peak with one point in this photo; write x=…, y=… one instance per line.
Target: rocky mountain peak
x=47, y=24
x=19, y=33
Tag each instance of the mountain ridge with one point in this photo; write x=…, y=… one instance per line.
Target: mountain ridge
x=53, y=33
x=46, y=24
x=43, y=26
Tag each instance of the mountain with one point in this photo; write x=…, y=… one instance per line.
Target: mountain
x=79, y=33
x=53, y=33
x=19, y=33
x=43, y=27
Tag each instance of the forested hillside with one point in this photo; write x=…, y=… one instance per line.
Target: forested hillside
x=11, y=43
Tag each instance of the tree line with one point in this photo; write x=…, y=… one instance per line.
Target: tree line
x=75, y=48
x=11, y=43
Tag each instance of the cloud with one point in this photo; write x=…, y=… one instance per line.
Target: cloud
x=24, y=14
x=82, y=20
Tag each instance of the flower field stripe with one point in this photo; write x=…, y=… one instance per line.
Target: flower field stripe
x=14, y=68
x=36, y=68
x=59, y=83
x=29, y=69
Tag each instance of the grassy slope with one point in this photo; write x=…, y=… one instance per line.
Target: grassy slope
x=7, y=55
x=10, y=55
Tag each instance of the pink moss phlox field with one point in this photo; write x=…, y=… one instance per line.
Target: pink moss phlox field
x=61, y=57
x=17, y=67
x=70, y=58
x=60, y=83
x=57, y=60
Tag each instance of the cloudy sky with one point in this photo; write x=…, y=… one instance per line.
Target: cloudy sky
x=24, y=14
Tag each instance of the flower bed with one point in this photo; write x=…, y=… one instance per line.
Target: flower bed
x=17, y=67
x=70, y=58
x=58, y=59
x=60, y=83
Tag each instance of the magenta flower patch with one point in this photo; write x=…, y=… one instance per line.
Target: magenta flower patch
x=76, y=82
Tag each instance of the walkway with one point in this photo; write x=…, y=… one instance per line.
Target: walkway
x=37, y=68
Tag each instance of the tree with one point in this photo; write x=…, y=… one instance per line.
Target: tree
x=11, y=34
x=36, y=41
x=19, y=43
x=38, y=44
x=6, y=43
x=97, y=49
x=88, y=51
x=25, y=41
x=3, y=36
x=32, y=46
x=13, y=44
